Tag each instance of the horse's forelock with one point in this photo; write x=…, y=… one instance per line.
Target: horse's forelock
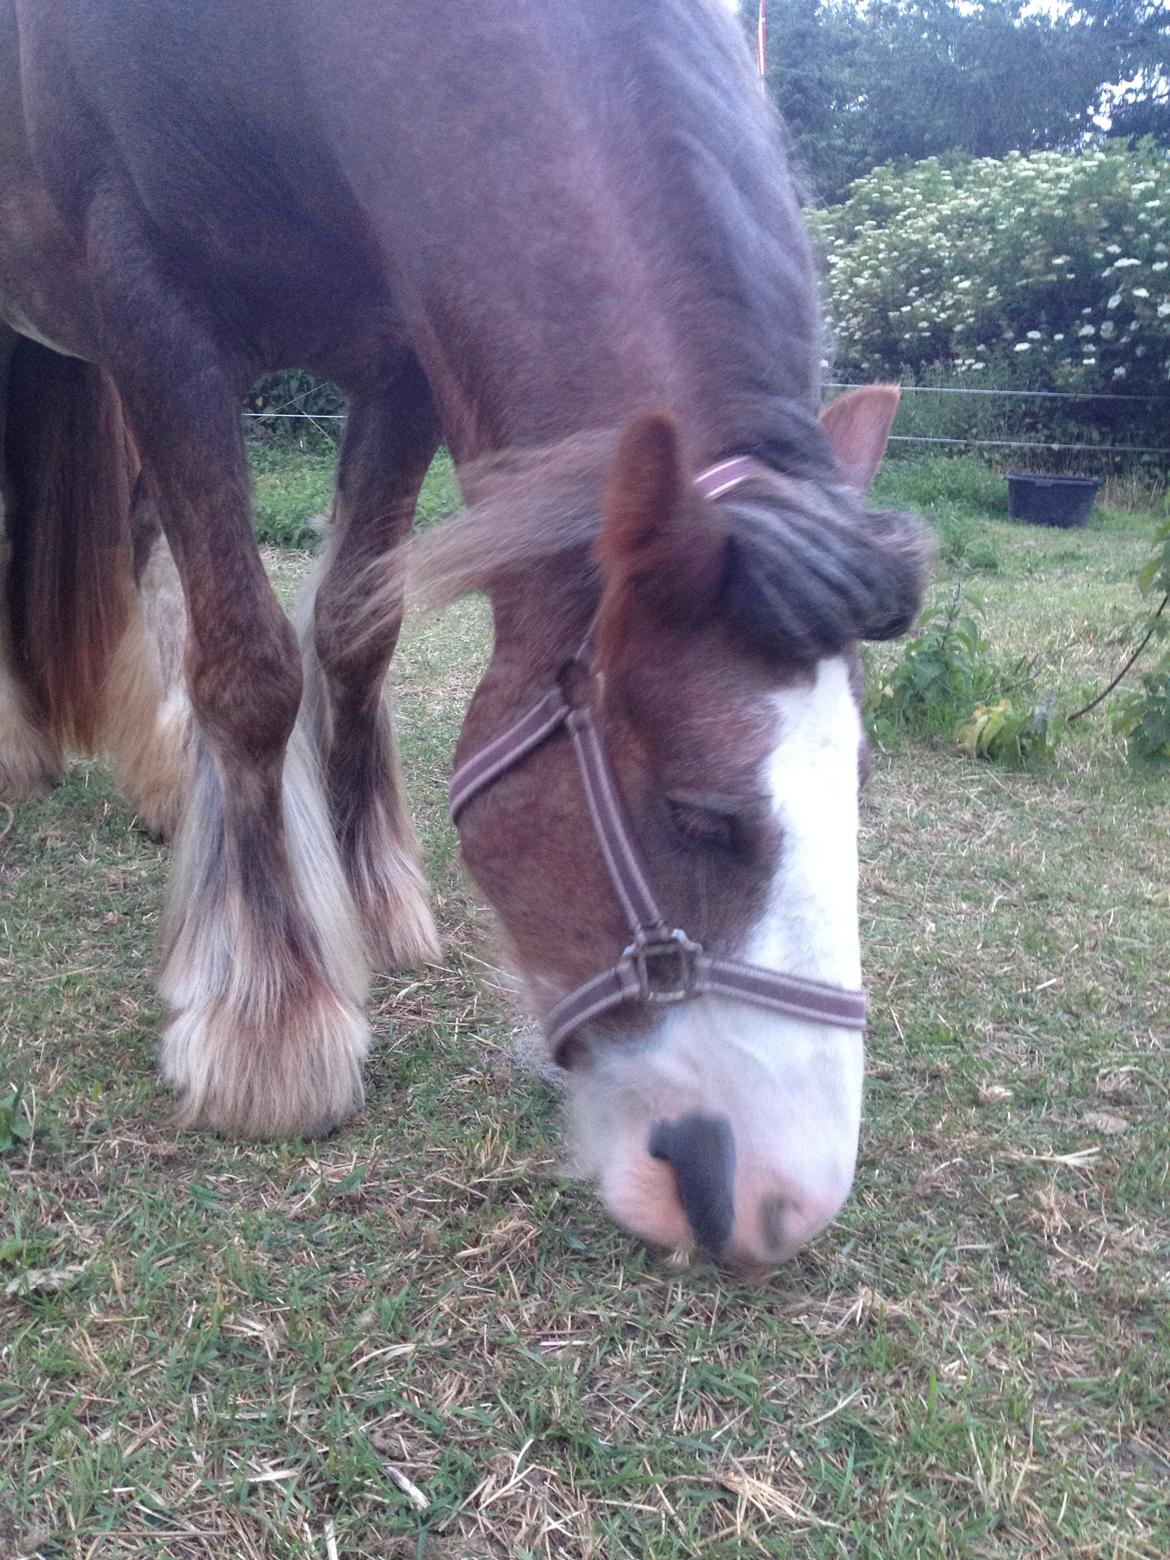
x=523, y=506
x=811, y=570
x=810, y=567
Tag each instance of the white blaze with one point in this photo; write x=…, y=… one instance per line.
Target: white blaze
x=810, y=927
x=790, y=1088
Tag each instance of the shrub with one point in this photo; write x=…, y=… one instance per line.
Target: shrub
x=1143, y=713
x=1143, y=717
x=272, y=400
x=1052, y=268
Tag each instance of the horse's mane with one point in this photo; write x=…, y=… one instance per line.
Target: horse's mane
x=744, y=278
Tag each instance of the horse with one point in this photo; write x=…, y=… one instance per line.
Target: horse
x=566, y=241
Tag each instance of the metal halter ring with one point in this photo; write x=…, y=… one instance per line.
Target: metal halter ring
x=658, y=953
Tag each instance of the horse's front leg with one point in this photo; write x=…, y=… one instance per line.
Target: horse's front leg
x=389, y=443
x=263, y=965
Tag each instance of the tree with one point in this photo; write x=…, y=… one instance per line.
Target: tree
x=908, y=79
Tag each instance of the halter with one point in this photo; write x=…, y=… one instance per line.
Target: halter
x=658, y=965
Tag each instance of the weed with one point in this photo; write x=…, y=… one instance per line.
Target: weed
x=943, y=671
x=965, y=545
x=942, y=486
x=1013, y=734
x=292, y=490
x=960, y=497
x=15, y=1124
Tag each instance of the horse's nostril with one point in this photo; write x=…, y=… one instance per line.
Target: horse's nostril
x=774, y=1221
x=701, y=1151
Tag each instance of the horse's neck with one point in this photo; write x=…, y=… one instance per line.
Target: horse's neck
x=565, y=259
x=542, y=617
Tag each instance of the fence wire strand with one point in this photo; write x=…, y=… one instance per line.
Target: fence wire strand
x=1024, y=444
x=318, y=418
x=1031, y=395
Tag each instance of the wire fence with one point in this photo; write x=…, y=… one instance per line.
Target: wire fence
x=326, y=422
x=1050, y=418
x=1027, y=444
x=1005, y=395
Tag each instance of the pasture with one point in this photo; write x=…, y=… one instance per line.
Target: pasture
x=420, y=1339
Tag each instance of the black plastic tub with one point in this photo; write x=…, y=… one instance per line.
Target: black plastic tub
x=1063, y=501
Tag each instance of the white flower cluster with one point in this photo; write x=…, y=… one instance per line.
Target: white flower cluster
x=1056, y=261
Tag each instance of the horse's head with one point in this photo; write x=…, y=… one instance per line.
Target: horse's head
x=722, y=688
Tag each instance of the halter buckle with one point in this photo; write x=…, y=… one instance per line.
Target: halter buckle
x=666, y=966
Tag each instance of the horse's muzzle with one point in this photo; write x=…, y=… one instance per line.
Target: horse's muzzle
x=752, y=1227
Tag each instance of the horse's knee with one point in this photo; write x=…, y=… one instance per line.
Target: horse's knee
x=246, y=687
x=356, y=622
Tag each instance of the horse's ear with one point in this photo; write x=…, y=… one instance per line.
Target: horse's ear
x=662, y=550
x=858, y=426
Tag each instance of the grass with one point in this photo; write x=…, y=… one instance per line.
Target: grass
x=418, y=1339
x=1064, y=599
x=292, y=485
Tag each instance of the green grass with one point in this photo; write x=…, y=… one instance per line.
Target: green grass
x=1065, y=602
x=213, y=1350
x=292, y=487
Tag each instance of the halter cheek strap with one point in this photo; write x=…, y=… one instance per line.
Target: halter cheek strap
x=658, y=965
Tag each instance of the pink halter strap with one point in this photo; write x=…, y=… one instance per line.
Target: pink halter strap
x=727, y=474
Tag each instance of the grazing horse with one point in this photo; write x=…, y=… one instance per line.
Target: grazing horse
x=563, y=239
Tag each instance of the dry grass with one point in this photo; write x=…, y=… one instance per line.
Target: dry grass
x=418, y=1340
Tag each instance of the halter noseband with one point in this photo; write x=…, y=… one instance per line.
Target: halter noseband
x=658, y=965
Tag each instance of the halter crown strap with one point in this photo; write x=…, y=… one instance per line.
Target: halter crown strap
x=659, y=965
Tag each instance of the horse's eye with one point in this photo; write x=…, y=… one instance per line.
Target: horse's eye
x=703, y=828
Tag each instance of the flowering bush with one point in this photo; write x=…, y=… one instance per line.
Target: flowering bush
x=1056, y=264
